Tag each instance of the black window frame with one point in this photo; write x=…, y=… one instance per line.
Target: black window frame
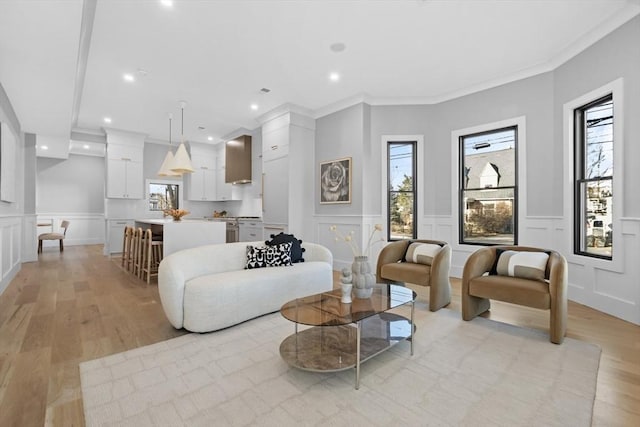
x=414, y=166
x=579, y=158
x=462, y=176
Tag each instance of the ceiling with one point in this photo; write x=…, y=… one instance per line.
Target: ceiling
x=62, y=62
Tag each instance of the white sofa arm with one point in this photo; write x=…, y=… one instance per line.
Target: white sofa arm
x=315, y=252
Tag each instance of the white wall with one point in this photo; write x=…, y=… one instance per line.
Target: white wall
x=12, y=225
x=73, y=190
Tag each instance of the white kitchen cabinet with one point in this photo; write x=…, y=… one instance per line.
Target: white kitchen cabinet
x=250, y=230
x=125, y=175
x=124, y=179
x=269, y=230
x=202, y=182
x=115, y=234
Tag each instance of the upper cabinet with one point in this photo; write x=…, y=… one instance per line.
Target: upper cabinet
x=202, y=182
x=125, y=175
x=238, y=160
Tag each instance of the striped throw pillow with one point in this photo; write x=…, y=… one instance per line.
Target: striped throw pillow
x=526, y=265
x=422, y=253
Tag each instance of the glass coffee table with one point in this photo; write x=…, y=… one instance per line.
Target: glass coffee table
x=343, y=336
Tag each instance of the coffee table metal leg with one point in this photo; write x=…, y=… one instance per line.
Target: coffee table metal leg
x=358, y=332
x=413, y=304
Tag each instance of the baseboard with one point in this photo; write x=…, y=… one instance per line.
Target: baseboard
x=9, y=277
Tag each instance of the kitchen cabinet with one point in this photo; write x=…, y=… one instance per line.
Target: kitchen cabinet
x=202, y=182
x=115, y=234
x=250, y=230
x=124, y=172
x=124, y=179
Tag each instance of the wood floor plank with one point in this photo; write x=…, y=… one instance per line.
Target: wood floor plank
x=39, y=333
x=22, y=404
x=80, y=305
x=66, y=343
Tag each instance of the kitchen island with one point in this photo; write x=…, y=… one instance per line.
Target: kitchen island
x=188, y=233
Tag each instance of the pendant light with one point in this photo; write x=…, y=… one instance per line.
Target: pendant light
x=165, y=169
x=181, y=160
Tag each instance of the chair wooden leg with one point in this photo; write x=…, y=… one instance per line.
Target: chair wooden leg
x=61, y=246
x=39, y=246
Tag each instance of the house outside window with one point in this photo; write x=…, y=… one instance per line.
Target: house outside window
x=163, y=196
x=488, y=190
x=401, y=185
x=593, y=170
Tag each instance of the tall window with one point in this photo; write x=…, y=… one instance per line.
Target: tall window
x=593, y=134
x=488, y=190
x=401, y=173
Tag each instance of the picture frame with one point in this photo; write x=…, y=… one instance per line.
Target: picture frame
x=335, y=181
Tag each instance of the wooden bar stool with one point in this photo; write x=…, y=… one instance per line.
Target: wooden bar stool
x=152, y=255
x=136, y=249
x=126, y=246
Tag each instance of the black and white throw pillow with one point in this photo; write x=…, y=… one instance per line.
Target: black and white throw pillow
x=268, y=256
x=296, y=248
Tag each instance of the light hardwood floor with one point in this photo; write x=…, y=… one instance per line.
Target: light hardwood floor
x=80, y=305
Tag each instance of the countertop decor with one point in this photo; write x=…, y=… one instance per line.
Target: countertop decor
x=177, y=214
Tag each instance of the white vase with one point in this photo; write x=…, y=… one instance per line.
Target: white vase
x=346, y=293
x=363, y=278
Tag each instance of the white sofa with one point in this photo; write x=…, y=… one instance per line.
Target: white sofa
x=207, y=288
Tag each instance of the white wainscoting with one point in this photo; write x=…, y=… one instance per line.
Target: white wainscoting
x=360, y=226
x=614, y=290
x=84, y=229
x=30, y=238
x=10, y=250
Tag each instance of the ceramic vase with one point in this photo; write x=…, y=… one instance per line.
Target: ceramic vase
x=346, y=286
x=363, y=279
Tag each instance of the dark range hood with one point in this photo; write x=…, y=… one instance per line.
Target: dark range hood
x=237, y=154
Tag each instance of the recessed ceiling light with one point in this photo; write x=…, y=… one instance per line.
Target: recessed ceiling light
x=337, y=47
x=85, y=146
x=167, y=3
x=107, y=119
x=44, y=147
x=210, y=138
x=254, y=107
x=128, y=77
x=334, y=77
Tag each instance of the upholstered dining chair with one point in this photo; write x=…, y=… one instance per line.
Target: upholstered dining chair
x=54, y=236
x=520, y=275
x=421, y=262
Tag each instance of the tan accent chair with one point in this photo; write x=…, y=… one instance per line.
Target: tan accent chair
x=551, y=294
x=391, y=268
x=54, y=236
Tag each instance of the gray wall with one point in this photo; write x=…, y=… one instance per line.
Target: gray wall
x=75, y=185
x=615, y=56
x=341, y=135
x=533, y=98
x=30, y=173
x=404, y=120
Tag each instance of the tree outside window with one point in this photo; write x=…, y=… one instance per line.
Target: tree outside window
x=401, y=190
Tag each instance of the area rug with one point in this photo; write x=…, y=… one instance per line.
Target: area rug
x=462, y=373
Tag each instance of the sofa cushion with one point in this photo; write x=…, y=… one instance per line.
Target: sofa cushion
x=422, y=253
x=219, y=300
x=268, y=256
x=532, y=293
x=296, y=248
x=406, y=272
x=522, y=264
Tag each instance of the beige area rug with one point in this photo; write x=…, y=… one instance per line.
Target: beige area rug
x=462, y=373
